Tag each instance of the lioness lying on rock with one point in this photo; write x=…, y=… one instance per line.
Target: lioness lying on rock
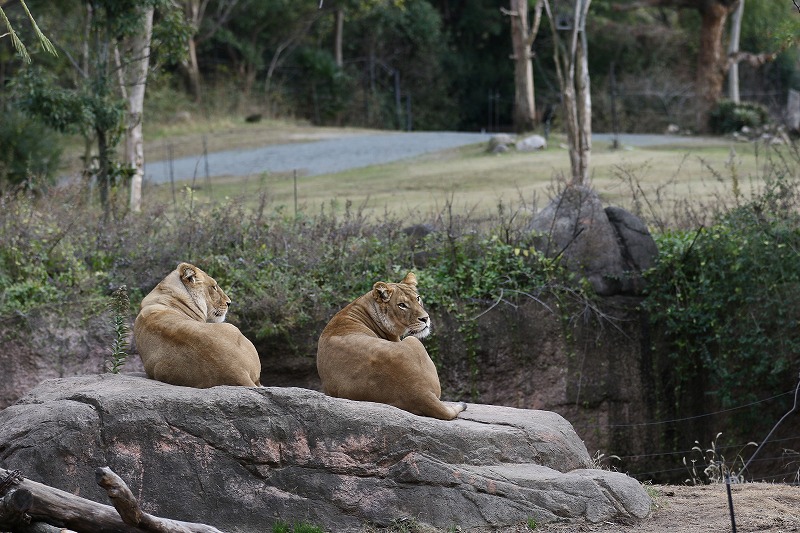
x=182, y=339
x=371, y=351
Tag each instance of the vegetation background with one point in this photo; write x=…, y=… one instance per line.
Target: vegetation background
x=722, y=301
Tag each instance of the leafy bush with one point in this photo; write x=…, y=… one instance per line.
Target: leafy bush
x=282, y=272
x=729, y=116
x=726, y=299
x=30, y=152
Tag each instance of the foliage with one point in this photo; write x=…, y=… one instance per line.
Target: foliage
x=17, y=42
x=715, y=468
x=120, y=307
x=327, y=86
x=451, y=58
x=725, y=297
x=283, y=527
x=729, y=116
x=69, y=110
x=29, y=151
x=41, y=260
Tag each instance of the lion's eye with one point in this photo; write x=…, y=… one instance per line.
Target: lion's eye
x=419, y=299
x=401, y=305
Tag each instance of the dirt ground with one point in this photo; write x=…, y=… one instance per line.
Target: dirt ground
x=704, y=509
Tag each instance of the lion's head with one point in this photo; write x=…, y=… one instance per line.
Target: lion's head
x=400, y=309
x=205, y=292
x=194, y=292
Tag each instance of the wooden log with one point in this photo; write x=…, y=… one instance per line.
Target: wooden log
x=128, y=508
x=60, y=508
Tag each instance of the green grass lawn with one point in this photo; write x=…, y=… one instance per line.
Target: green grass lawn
x=666, y=180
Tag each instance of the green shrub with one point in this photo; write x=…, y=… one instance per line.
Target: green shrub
x=729, y=116
x=302, y=527
x=727, y=300
x=30, y=152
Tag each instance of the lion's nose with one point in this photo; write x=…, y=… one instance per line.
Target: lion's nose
x=424, y=319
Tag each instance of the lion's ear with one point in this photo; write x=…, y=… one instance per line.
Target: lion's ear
x=410, y=279
x=187, y=272
x=382, y=292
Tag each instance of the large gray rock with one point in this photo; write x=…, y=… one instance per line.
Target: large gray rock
x=241, y=458
x=531, y=143
x=609, y=246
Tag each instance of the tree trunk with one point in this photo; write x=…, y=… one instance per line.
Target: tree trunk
x=711, y=61
x=137, y=52
x=712, y=64
x=572, y=68
x=102, y=171
x=524, y=103
x=191, y=70
x=339, y=38
x=584, y=109
x=733, y=49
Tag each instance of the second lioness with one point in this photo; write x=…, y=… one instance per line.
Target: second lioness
x=371, y=351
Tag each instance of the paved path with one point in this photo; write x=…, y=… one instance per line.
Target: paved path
x=312, y=158
x=343, y=153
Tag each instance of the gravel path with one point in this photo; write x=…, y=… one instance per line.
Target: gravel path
x=312, y=158
x=343, y=153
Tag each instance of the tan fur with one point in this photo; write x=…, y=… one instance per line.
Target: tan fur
x=182, y=339
x=371, y=351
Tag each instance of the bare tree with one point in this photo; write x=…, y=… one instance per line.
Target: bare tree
x=572, y=68
x=523, y=35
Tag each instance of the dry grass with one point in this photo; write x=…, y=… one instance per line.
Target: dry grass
x=471, y=179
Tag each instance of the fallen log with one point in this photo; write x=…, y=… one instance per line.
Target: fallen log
x=26, y=503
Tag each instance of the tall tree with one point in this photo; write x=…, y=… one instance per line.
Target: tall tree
x=136, y=48
x=109, y=63
x=202, y=29
x=712, y=60
x=572, y=67
x=523, y=35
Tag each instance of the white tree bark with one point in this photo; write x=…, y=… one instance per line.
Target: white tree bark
x=137, y=55
x=733, y=49
x=572, y=68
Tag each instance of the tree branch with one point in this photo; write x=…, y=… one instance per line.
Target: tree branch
x=537, y=19
x=27, y=502
x=754, y=60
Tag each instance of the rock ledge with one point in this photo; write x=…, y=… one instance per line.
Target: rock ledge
x=242, y=458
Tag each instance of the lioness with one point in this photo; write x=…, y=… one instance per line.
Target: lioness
x=182, y=339
x=371, y=351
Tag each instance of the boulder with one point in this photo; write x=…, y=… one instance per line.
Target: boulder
x=532, y=143
x=609, y=246
x=500, y=142
x=242, y=458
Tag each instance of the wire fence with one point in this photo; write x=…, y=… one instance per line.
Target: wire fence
x=702, y=462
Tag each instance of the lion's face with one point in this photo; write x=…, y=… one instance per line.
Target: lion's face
x=400, y=308
x=205, y=292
